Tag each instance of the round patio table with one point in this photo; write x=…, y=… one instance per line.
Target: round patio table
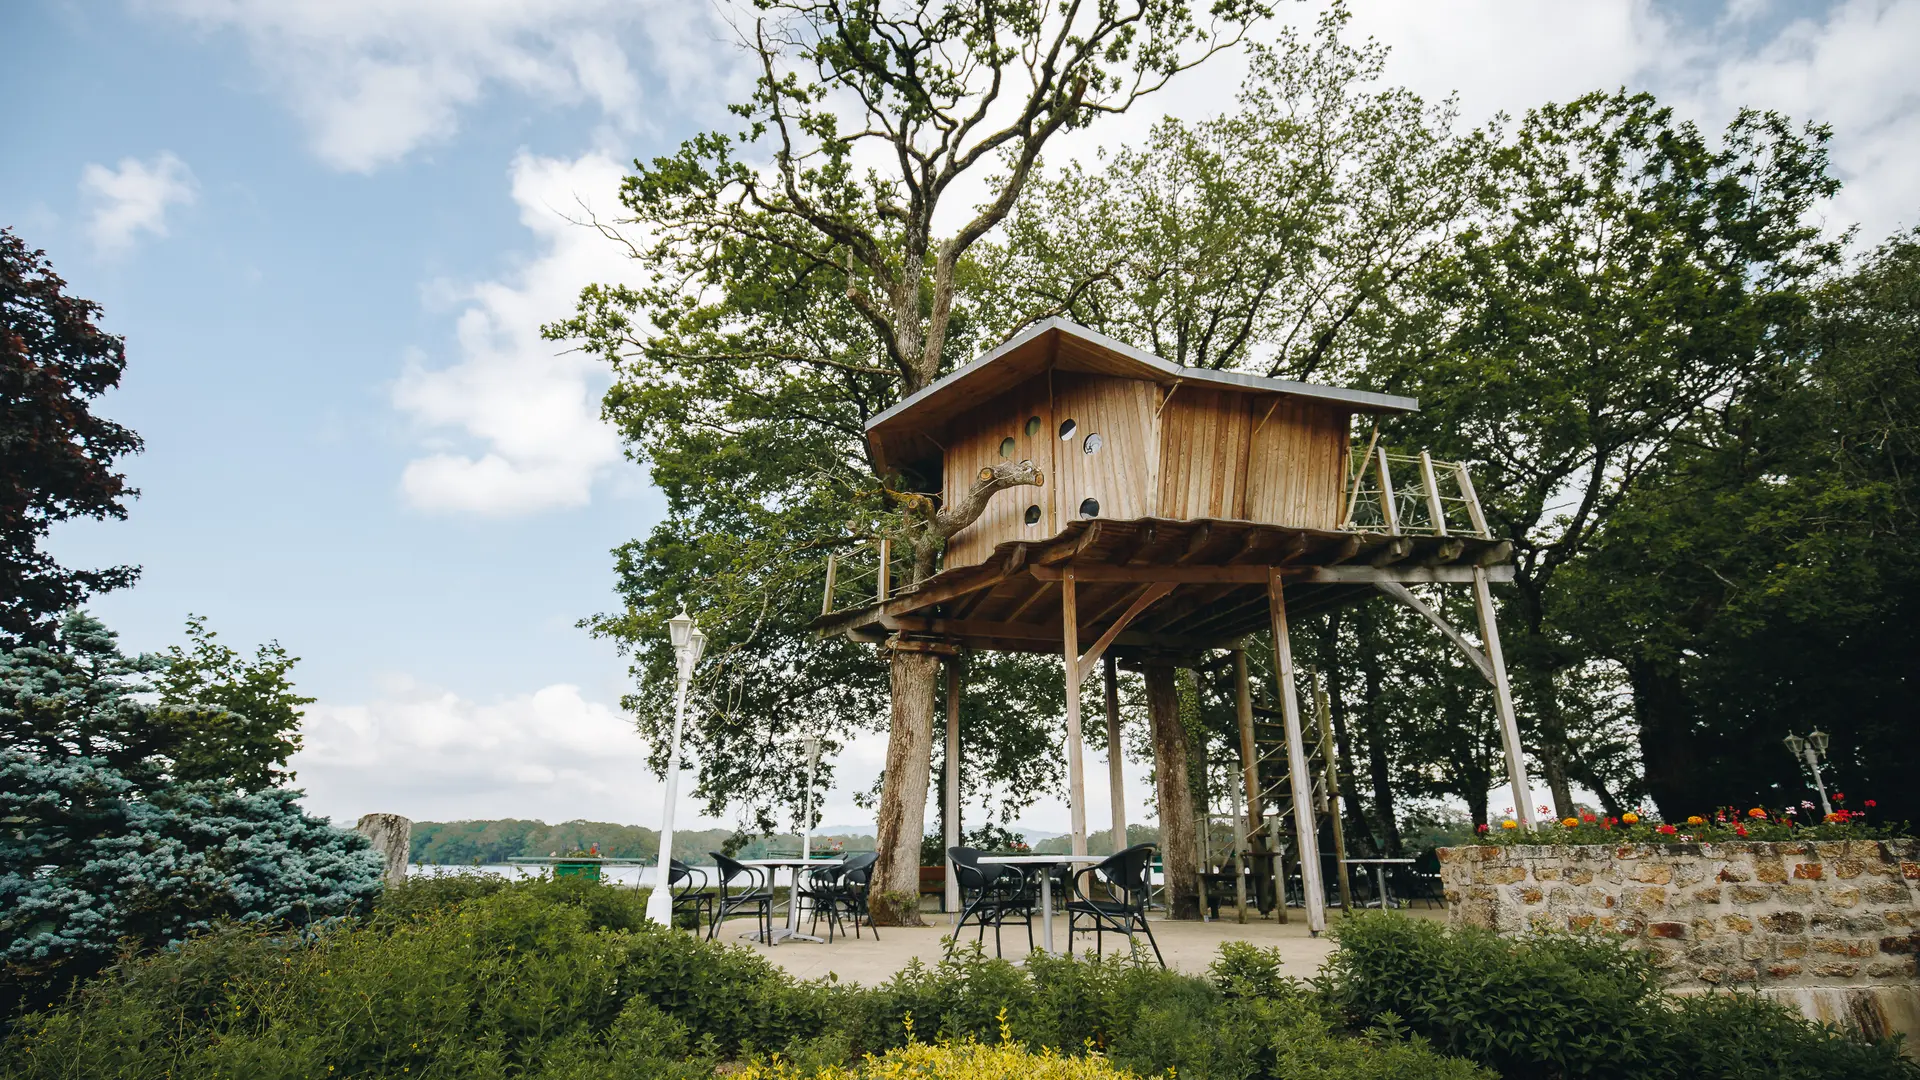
x=1380, y=874
x=791, y=931
x=1046, y=884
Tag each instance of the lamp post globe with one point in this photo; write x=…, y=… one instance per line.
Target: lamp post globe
x=688, y=644
x=1819, y=741
x=1796, y=746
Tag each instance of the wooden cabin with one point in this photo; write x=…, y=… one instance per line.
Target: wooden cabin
x=1121, y=434
x=1181, y=512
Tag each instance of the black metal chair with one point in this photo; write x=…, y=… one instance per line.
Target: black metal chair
x=757, y=893
x=1123, y=878
x=687, y=894
x=848, y=895
x=990, y=895
x=813, y=889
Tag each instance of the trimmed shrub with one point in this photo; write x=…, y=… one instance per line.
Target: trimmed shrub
x=558, y=979
x=1557, y=1006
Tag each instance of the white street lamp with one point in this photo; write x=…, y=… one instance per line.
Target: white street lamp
x=688, y=643
x=812, y=745
x=1810, y=750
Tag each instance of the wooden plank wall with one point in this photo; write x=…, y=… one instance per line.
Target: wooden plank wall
x=1201, y=458
x=976, y=440
x=1117, y=475
x=1297, y=463
x=1203, y=453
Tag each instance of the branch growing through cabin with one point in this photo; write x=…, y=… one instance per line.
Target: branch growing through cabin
x=963, y=511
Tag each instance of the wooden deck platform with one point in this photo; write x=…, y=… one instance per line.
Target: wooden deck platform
x=1171, y=587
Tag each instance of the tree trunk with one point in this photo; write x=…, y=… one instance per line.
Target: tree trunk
x=1357, y=828
x=1378, y=768
x=1553, y=746
x=1667, y=749
x=1179, y=849
x=894, y=896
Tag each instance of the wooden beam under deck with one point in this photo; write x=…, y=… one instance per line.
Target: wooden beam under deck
x=1214, y=574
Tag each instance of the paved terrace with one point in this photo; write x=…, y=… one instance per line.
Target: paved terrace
x=1188, y=946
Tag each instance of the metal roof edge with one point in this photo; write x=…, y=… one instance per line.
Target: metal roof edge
x=1363, y=398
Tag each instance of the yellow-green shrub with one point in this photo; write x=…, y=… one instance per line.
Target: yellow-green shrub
x=968, y=1060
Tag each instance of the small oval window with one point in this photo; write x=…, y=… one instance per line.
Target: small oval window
x=1094, y=442
x=1067, y=429
x=1033, y=514
x=1006, y=447
x=1033, y=426
x=1090, y=508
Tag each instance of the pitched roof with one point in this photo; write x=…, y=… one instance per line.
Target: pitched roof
x=900, y=434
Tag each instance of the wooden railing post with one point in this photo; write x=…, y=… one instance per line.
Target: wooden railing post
x=1387, y=509
x=1434, y=510
x=886, y=568
x=1474, y=513
x=833, y=570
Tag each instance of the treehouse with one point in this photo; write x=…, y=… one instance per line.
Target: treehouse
x=1144, y=513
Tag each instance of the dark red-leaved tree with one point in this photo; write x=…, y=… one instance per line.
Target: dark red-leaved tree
x=56, y=456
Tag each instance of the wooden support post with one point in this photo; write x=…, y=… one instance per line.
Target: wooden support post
x=885, y=579
x=1249, y=753
x=833, y=571
x=1239, y=857
x=1076, y=778
x=955, y=678
x=1434, y=509
x=1306, y=834
x=1388, y=511
x=1116, y=777
x=1329, y=752
x=1503, y=699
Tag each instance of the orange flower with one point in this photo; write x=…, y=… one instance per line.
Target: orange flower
x=1756, y=812
x=1509, y=824
x=1630, y=817
x=1696, y=819
x=1570, y=822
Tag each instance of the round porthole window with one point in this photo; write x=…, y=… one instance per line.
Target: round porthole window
x=1033, y=426
x=1006, y=447
x=1033, y=514
x=1094, y=442
x=1067, y=429
x=1090, y=508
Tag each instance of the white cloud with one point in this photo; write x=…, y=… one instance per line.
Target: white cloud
x=432, y=755
x=373, y=80
x=531, y=405
x=133, y=199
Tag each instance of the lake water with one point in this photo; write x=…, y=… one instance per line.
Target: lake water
x=636, y=876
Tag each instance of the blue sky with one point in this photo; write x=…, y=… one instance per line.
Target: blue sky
x=330, y=228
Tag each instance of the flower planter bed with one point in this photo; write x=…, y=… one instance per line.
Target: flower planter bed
x=1829, y=926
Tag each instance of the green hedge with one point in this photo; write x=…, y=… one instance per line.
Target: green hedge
x=1575, y=1006
x=476, y=977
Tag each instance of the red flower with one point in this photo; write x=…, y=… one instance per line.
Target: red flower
x=1871, y=804
x=1839, y=796
x=1479, y=828
x=1740, y=830
x=1667, y=830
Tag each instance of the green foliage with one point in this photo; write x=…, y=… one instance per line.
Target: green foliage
x=1768, y=571
x=240, y=720
x=131, y=824
x=1573, y=1006
x=1278, y=238
x=56, y=457
x=457, y=977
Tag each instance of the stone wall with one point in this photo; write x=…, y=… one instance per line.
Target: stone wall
x=1832, y=927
